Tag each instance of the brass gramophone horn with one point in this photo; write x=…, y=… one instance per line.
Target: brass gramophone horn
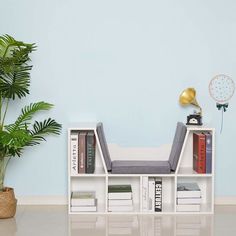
x=188, y=96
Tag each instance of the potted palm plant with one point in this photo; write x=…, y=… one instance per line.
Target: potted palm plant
x=14, y=84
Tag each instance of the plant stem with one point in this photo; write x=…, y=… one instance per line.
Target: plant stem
x=3, y=119
x=2, y=173
x=0, y=111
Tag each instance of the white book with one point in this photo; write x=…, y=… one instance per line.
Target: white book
x=83, y=198
x=151, y=194
x=84, y=208
x=74, y=139
x=187, y=208
x=145, y=193
x=123, y=202
x=185, y=201
x=188, y=190
x=119, y=196
x=120, y=208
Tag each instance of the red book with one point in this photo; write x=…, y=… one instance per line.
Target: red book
x=82, y=152
x=199, y=152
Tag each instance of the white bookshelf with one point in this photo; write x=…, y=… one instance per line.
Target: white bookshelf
x=100, y=180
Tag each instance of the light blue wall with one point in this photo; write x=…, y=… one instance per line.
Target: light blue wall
x=124, y=63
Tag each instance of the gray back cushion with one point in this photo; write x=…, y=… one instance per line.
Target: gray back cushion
x=104, y=147
x=177, y=145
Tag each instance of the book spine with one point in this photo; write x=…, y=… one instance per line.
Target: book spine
x=74, y=154
x=199, y=153
x=151, y=194
x=145, y=193
x=90, y=157
x=82, y=152
x=158, y=194
x=208, y=153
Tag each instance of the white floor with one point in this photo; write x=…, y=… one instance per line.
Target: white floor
x=53, y=220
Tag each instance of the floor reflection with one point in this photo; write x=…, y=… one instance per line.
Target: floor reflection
x=141, y=225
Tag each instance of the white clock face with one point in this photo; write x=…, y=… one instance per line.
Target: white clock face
x=221, y=88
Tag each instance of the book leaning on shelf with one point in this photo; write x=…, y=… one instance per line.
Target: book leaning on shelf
x=82, y=152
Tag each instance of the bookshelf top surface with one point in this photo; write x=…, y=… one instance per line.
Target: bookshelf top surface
x=82, y=125
x=197, y=127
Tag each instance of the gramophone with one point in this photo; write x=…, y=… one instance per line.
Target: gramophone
x=188, y=96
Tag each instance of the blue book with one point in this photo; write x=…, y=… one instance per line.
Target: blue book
x=208, y=152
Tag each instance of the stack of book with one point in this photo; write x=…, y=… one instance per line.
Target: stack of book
x=120, y=198
x=202, y=152
x=152, y=194
x=82, y=152
x=188, y=197
x=83, y=201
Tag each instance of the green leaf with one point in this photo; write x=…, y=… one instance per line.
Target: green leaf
x=12, y=143
x=41, y=129
x=27, y=114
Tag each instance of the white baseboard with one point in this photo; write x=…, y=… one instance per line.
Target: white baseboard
x=62, y=200
x=225, y=200
x=41, y=200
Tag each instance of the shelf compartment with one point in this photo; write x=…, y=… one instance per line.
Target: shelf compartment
x=186, y=161
x=91, y=184
x=206, y=186
x=134, y=181
x=168, y=194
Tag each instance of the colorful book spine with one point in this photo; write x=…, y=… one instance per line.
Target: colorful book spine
x=82, y=152
x=90, y=154
x=158, y=194
x=74, y=153
x=199, y=152
x=208, y=152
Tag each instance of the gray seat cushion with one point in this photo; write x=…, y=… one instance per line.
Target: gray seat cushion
x=140, y=167
x=177, y=145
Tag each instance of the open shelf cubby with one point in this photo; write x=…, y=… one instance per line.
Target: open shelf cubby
x=99, y=180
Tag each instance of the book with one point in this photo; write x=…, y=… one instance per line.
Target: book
x=118, y=202
x=82, y=152
x=120, y=208
x=85, y=208
x=208, y=136
x=145, y=193
x=185, y=201
x=119, y=192
x=158, y=194
x=188, y=190
x=199, y=152
x=151, y=193
x=90, y=152
x=74, y=153
x=83, y=199
x=188, y=207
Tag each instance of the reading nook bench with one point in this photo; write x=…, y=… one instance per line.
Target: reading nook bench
x=144, y=167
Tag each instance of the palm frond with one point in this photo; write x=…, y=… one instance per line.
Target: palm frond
x=13, y=143
x=41, y=129
x=27, y=114
x=8, y=45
